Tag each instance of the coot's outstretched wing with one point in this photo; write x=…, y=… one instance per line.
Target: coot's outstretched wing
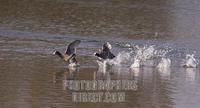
x=71, y=49
x=111, y=55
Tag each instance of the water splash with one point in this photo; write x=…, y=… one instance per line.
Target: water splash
x=136, y=63
x=148, y=52
x=164, y=63
x=145, y=55
x=164, y=68
x=73, y=66
x=121, y=58
x=136, y=71
x=127, y=45
x=190, y=61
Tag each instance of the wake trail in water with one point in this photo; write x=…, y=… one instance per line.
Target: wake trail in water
x=148, y=56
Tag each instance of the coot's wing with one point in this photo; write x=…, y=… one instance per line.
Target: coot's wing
x=71, y=49
x=111, y=55
x=101, y=55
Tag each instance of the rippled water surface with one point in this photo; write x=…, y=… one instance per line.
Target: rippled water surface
x=153, y=40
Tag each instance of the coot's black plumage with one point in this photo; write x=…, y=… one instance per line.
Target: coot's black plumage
x=105, y=53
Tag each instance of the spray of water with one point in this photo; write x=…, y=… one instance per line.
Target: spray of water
x=102, y=66
x=136, y=63
x=146, y=55
x=121, y=58
x=190, y=61
x=137, y=57
x=164, y=63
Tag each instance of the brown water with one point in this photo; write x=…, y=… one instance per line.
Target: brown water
x=32, y=77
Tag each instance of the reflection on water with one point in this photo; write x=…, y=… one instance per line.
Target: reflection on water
x=37, y=81
x=187, y=88
x=191, y=73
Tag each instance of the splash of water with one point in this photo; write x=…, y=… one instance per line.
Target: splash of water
x=148, y=52
x=135, y=58
x=144, y=53
x=102, y=66
x=190, y=61
x=164, y=63
x=122, y=57
x=164, y=67
x=136, y=63
x=73, y=66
